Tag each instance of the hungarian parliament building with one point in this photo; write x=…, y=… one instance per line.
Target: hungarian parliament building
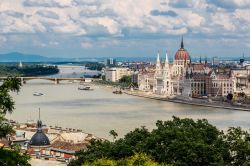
x=191, y=79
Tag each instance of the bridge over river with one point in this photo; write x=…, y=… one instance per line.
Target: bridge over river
x=56, y=80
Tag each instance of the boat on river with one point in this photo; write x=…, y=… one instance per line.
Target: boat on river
x=117, y=92
x=83, y=86
x=38, y=94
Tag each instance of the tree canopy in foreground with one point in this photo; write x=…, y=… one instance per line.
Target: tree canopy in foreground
x=10, y=156
x=173, y=142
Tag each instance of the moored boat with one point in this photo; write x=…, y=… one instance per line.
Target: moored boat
x=38, y=94
x=117, y=92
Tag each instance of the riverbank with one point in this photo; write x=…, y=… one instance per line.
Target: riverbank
x=204, y=104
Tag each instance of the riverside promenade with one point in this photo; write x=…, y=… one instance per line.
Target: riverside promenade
x=196, y=102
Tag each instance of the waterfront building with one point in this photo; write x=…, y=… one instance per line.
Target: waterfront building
x=186, y=79
x=211, y=84
x=115, y=74
x=111, y=62
x=241, y=76
x=162, y=79
x=181, y=61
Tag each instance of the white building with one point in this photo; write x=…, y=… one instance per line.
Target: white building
x=115, y=74
x=162, y=79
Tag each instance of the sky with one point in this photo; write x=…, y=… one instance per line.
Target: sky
x=125, y=28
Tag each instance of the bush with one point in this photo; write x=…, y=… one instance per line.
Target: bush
x=174, y=142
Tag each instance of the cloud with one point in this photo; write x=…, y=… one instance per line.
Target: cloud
x=46, y=3
x=48, y=14
x=86, y=45
x=12, y=14
x=181, y=3
x=227, y=4
x=230, y=4
x=116, y=23
x=163, y=13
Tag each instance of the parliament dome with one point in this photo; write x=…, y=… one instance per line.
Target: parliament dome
x=182, y=53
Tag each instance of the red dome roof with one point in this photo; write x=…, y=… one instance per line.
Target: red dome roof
x=182, y=54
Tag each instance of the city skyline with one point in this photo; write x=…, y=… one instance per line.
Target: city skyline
x=92, y=28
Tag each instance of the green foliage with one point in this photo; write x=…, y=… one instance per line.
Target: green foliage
x=101, y=162
x=9, y=156
x=238, y=142
x=5, y=127
x=113, y=133
x=94, y=66
x=27, y=70
x=12, y=157
x=175, y=142
x=139, y=159
x=6, y=101
x=127, y=80
x=186, y=142
x=242, y=94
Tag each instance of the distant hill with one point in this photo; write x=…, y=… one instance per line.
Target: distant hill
x=16, y=57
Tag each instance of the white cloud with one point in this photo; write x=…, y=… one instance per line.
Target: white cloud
x=224, y=20
x=121, y=20
x=86, y=45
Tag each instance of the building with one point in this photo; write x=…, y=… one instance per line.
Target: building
x=181, y=60
x=39, y=142
x=111, y=62
x=50, y=143
x=162, y=79
x=242, y=79
x=146, y=80
x=115, y=74
x=186, y=79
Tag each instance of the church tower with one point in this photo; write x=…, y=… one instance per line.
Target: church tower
x=167, y=83
x=158, y=71
x=158, y=79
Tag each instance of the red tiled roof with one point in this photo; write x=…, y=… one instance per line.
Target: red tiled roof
x=182, y=54
x=199, y=66
x=69, y=146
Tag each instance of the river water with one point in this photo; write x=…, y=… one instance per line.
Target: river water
x=100, y=111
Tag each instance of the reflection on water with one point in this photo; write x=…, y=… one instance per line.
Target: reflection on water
x=100, y=110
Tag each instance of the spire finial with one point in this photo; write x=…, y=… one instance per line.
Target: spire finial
x=166, y=60
x=182, y=43
x=158, y=56
x=39, y=122
x=39, y=114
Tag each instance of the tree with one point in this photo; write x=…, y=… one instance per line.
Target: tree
x=230, y=97
x=9, y=156
x=238, y=142
x=6, y=101
x=186, y=142
x=113, y=133
x=126, y=80
x=174, y=142
x=139, y=159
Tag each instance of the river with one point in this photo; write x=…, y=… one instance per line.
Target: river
x=100, y=111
